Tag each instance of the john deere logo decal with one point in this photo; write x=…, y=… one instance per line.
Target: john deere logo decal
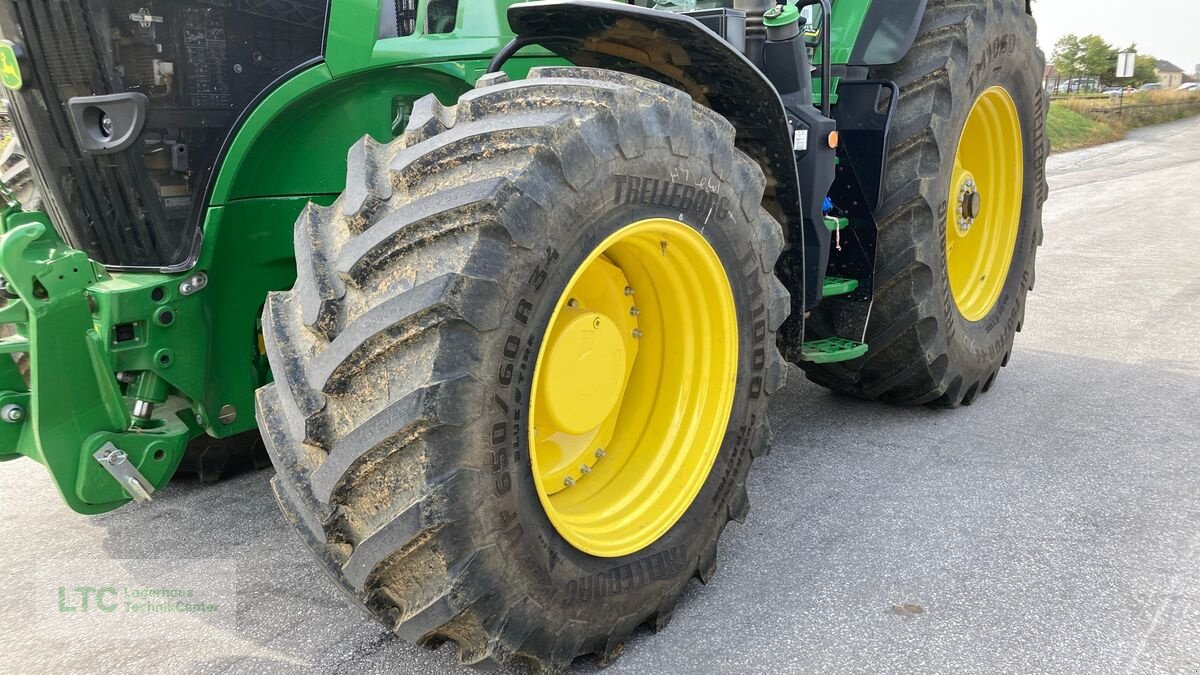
x=10, y=70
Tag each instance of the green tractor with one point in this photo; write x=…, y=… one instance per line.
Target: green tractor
x=510, y=357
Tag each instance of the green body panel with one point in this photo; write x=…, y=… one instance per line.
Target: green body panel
x=98, y=340
x=844, y=26
x=480, y=32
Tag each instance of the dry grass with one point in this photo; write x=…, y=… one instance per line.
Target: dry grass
x=1137, y=110
x=1091, y=120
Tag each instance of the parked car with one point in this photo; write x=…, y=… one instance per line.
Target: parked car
x=1190, y=86
x=1150, y=86
x=1078, y=85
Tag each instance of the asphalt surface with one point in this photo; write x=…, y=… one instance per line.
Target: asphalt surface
x=1052, y=527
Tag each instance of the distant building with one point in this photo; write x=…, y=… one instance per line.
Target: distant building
x=1050, y=78
x=1170, y=76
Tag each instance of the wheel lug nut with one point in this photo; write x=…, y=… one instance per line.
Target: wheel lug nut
x=637, y=333
x=572, y=303
x=634, y=311
x=585, y=469
x=629, y=290
x=600, y=453
x=568, y=481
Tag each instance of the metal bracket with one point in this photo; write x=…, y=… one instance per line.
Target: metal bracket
x=116, y=462
x=193, y=284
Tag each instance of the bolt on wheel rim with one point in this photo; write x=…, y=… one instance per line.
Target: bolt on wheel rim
x=633, y=387
x=985, y=203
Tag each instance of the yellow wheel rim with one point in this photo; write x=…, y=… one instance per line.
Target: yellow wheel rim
x=633, y=387
x=984, y=211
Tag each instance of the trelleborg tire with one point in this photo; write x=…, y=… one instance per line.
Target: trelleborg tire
x=404, y=357
x=938, y=337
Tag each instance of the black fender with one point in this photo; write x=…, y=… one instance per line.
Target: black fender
x=678, y=50
x=888, y=32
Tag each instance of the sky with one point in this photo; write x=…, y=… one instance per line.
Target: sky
x=1167, y=29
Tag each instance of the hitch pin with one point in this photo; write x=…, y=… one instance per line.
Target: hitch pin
x=116, y=462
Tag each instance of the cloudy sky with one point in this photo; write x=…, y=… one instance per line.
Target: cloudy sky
x=1168, y=29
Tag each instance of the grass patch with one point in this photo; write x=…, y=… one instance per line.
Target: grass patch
x=1093, y=120
x=1069, y=130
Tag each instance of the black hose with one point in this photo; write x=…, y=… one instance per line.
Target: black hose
x=517, y=44
x=826, y=58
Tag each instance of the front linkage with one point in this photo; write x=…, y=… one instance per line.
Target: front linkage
x=99, y=406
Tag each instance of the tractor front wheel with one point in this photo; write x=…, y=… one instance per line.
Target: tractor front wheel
x=523, y=372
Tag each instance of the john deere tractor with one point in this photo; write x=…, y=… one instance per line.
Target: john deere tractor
x=510, y=355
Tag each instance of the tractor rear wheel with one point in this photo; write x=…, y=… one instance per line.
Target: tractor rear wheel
x=523, y=372
x=960, y=215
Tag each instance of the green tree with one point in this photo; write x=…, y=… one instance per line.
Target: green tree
x=1089, y=56
x=1143, y=70
x=1068, y=55
x=1097, y=59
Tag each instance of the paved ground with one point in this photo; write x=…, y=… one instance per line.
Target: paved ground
x=1053, y=527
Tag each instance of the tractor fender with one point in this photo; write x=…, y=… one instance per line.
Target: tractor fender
x=888, y=32
x=677, y=50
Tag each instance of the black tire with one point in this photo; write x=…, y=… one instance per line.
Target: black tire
x=922, y=350
x=395, y=419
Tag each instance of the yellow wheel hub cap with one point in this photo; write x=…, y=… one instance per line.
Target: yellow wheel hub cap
x=633, y=387
x=984, y=213
x=585, y=371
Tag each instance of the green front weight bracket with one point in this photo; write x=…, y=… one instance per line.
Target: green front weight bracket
x=72, y=417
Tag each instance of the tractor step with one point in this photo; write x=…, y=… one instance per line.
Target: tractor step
x=834, y=224
x=838, y=286
x=832, y=350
